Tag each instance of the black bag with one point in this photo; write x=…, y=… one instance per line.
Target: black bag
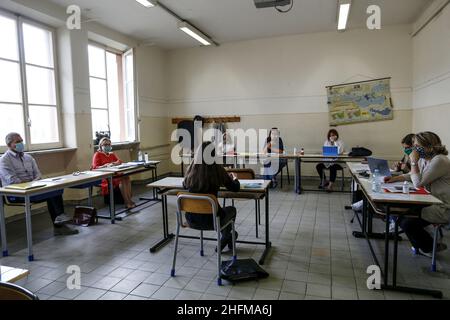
x=360, y=152
x=85, y=216
x=242, y=270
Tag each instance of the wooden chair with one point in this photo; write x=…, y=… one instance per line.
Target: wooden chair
x=9, y=291
x=202, y=204
x=247, y=174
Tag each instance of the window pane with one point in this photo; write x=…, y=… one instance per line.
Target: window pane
x=11, y=120
x=129, y=113
x=38, y=45
x=44, y=124
x=8, y=39
x=113, y=98
x=97, y=62
x=99, y=121
x=98, y=93
x=41, y=86
x=129, y=68
x=10, y=86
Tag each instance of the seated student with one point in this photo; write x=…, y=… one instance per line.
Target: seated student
x=205, y=176
x=332, y=140
x=19, y=167
x=404, y=165
x=274, y=144
x=430, y=168
x=103, y=158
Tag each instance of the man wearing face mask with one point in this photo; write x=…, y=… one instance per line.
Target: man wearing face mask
x=430, y=168
x=19, y=167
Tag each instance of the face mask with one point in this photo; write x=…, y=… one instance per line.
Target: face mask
x=19, y=147
x=107, y=149
x=421, y=151
x=408, y=151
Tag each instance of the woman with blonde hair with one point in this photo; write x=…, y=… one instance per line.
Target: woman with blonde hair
x=430, y=168
x=104, y=158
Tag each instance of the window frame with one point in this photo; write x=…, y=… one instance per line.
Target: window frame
x=122, y=85
x=20, y=21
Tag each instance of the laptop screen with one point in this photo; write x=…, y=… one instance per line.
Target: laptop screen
x=330, y=150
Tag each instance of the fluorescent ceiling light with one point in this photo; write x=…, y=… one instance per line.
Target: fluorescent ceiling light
x=194, y=33
x=147, y=3
x=344, y=10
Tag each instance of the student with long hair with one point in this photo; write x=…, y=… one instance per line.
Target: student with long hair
x=274, y=144
x=204, y=175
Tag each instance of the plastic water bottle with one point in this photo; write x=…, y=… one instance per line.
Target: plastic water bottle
x=302, y=152
x=376, y=182
x=295, y=151
x=140, y=156
x=406, y=187
x=146, y=157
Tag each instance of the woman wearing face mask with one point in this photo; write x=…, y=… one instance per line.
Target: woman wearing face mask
x=104, y=158
x=430, y=168
x=404, y=165
x=332, y=140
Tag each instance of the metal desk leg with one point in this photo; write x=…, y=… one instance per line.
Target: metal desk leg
x=29, y=228
x=3, y=228
x=386, y=248
x=112, y=206
x=268, y=243
x=90, y=196
x=298, y=176
x=167, y=237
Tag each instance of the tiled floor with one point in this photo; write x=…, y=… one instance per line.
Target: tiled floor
x=314, y=256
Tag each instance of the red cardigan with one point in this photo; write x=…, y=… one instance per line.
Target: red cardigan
x=100, y=159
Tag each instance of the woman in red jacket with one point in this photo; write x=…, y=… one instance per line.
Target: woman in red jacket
x=105, y=158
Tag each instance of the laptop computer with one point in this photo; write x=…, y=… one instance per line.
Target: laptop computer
x=381, y=164
x=330, y=151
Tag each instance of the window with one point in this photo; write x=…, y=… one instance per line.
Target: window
x=111, y=78
x=28, y=94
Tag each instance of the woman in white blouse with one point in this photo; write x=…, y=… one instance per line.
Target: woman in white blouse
x=332, y=140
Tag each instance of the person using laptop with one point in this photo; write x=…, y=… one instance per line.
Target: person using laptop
x=18, y=167
x=332, y=140
x=404, y=165
x=274, y=144
x=430, y=168
x=105, y=158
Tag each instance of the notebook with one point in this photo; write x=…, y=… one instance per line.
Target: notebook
x=25, y=186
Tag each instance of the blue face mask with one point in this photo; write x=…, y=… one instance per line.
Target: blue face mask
x=107, y=149
x=421, y=151
x=19, y=147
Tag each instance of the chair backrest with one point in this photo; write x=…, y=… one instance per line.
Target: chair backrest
x=9, y=291
x=197, y=203
x=243, y=174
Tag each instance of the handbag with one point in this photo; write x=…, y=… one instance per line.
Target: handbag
x=360, y=152
x=85, y=216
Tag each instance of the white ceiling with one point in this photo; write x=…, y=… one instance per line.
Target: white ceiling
x=235, y=20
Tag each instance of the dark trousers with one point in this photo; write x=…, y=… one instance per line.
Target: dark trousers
x=55, y=204
x=417, y=235
x=333, y=171
x=205, y=222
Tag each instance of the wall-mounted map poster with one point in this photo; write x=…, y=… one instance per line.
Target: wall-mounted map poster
x=360, y=102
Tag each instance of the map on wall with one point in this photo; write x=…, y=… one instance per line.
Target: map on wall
x=360, y=102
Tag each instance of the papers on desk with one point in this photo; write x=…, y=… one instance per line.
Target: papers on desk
x=26, y=186
x=56, y=179
x=397, y=187
x=251, y=184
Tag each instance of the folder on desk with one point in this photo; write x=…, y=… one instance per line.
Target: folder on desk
x=25, y=186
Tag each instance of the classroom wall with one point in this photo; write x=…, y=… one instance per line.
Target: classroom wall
x=281, y=82
x=431, y=99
